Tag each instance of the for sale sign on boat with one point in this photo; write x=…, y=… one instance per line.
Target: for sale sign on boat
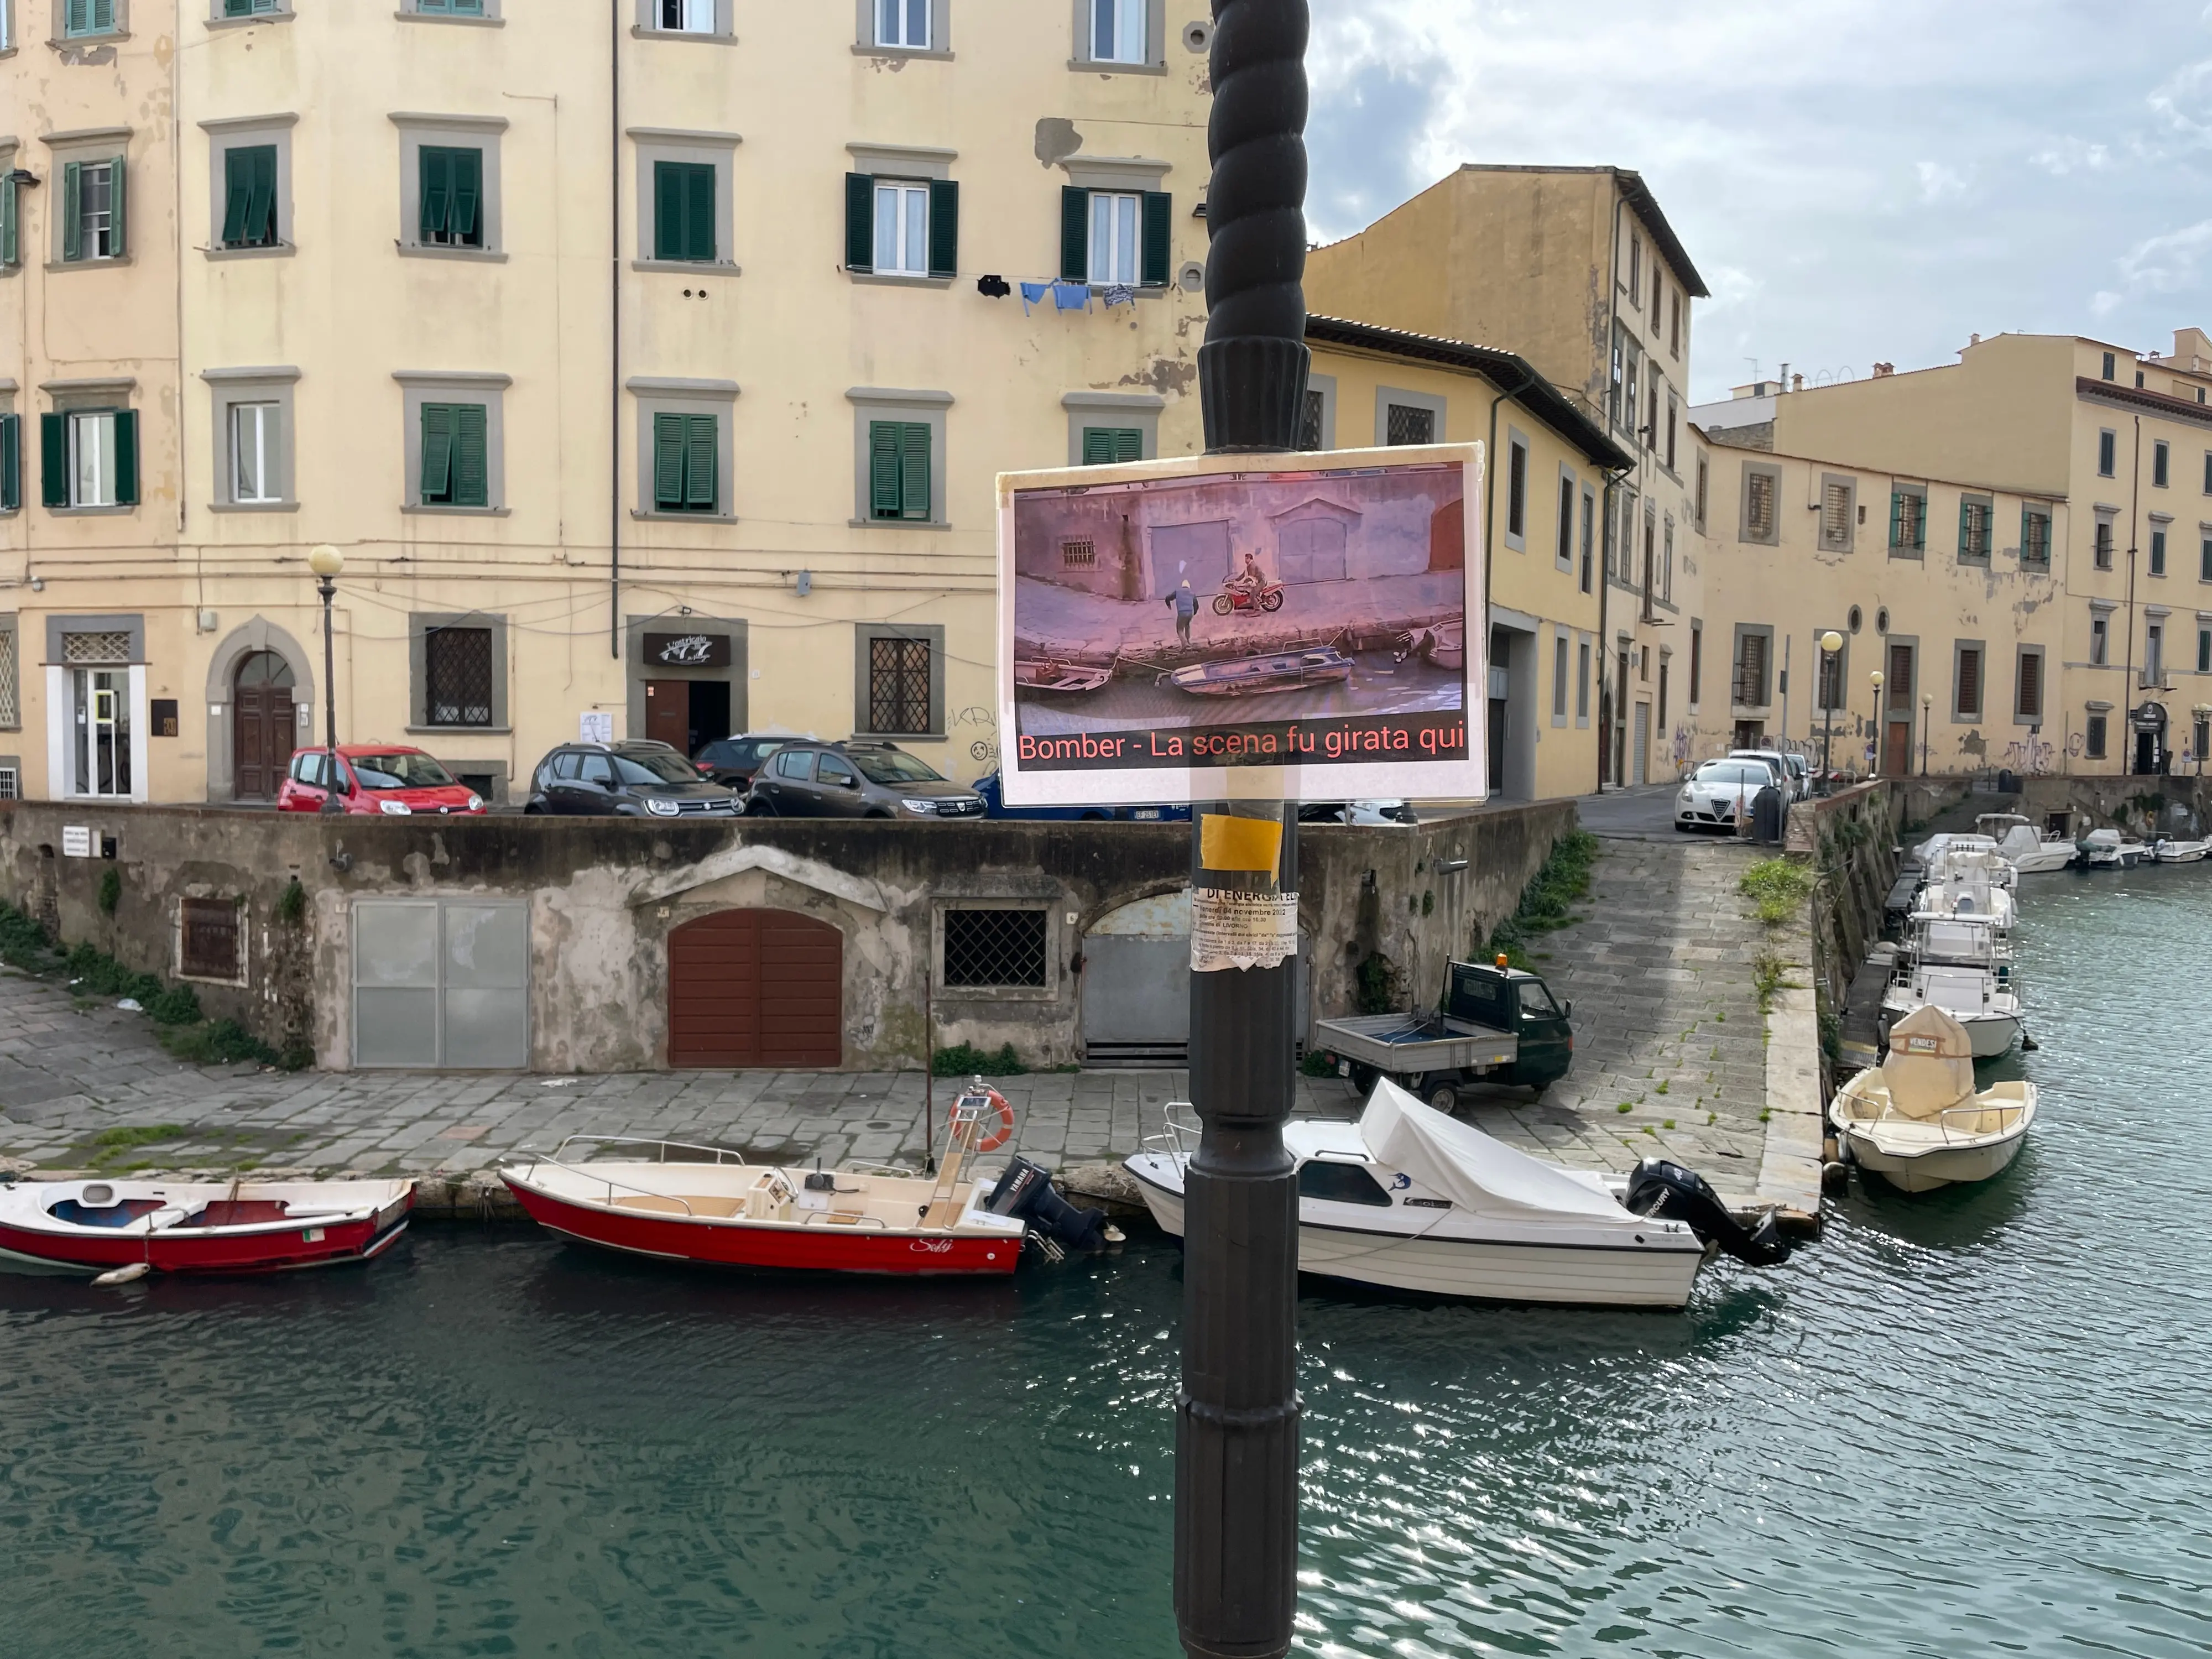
x=1320, y=614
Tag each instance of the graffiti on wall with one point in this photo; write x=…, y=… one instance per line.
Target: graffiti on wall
x=2032, y=756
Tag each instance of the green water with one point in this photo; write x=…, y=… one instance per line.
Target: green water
x=1974, y=1423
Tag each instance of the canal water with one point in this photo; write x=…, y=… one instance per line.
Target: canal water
x=1976, y=1422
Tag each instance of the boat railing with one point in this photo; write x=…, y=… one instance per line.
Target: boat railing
x=2007, y=1116
x=1177, y=1138
x=718, y=1154
x=583, y=1172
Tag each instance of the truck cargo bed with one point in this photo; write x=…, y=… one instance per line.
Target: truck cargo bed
x=1400, y=1044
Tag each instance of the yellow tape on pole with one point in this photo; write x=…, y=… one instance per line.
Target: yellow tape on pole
x=1233, y=844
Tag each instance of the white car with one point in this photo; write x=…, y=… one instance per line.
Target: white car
x=1719, y=793
x=1367, y=812
x=1790, y=771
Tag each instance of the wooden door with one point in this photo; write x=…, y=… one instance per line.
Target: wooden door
x=261, y=738
x=1897, y=757
x=755, y=988
x=668, y=714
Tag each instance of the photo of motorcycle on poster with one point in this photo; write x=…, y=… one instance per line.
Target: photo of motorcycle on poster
x=1162, y=622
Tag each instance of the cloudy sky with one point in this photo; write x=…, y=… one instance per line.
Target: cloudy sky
x=1855, y=179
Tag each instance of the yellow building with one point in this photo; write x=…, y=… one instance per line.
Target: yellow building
x=2111, y=452
x=651, y=365
x=1545, y=488
x=1578, y=271
x=1945, y=587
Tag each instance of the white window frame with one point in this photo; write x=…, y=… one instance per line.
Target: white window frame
x=1112, y=253
x=74, y=422
x=263, y=446
x=902, y=16
x=909, y=200
x=1130, y=25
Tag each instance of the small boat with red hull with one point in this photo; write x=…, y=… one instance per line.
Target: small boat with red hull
x=707, y=1205
x=202, y=1227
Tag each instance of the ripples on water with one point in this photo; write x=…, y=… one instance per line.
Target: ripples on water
x=1973, y=1422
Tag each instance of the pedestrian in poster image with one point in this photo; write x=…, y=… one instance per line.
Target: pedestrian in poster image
x=1184, y=603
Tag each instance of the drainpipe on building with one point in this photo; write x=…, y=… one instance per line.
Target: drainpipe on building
x=1604, y=643
x=2128, y=685
x=613, y=338
x=1489, y=520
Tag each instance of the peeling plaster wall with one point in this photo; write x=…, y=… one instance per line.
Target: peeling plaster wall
x=605, y=894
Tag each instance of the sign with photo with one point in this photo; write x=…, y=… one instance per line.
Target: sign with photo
x=688, y=650
x=1162, y=622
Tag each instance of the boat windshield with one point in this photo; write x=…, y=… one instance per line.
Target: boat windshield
x=1336, y=1183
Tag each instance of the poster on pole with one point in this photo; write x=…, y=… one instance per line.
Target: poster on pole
x=1162, y=622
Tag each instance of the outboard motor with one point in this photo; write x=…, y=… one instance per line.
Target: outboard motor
x=1673, y=1194
x=1026, y=1191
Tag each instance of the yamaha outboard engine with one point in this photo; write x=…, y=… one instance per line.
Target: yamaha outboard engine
x=1673, y=1194
x=1026, y=1191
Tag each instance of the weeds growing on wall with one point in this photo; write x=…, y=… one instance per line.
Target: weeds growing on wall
x=292, y=904
x=1777, y=889
x=1375, y=985
x=965, y=1059
x=110, y=890
x=226, y=1042
x=1547, y=902
x=23, y=943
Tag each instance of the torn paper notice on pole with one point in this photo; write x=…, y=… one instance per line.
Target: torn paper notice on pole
x=1242, y=930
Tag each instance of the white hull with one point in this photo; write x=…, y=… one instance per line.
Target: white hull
x=2052, y=855
x=1924, y=1172
x=2182, y=851
x=1990, y=1034
x=1496, y=1268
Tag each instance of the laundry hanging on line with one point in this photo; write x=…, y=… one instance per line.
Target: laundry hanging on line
x=1072, y=297
x=1119, y=294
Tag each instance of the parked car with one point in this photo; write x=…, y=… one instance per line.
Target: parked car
x=1789, y=771
x=635, y=779
x=995, y=807
x=856, y=779
x=385, y=777
x=733, y=761
x=1718, y=795
x=1368, y=812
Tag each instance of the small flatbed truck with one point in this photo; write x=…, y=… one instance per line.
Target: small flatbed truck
x=1497, y=1024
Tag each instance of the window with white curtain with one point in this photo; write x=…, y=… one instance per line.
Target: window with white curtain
x=91, y=459
x=903, y=23
x=1117, y=30
x=253, y=452
x=1114, y=235
x=901, y=229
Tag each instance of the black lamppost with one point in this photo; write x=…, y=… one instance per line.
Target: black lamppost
x=1237, y=1412
x=1927, y=713
x=326, y=561
x=1831, y=642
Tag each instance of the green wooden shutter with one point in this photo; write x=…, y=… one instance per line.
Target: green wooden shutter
x=1108, y=446
x=699, y=213
x=943, y=228
x=1897, y=518
x=72, y=210
x=699, y=463
x=1158, y=239
x=471, y=456
x=860, y=222
x=118, y=217
x=434, y=167
x=261, y=199
x=76, y=17
x=437, y=451
x=1965, y=545
x=10, y=250
x=103, y=16
x=468, y=197
x=667, y=462
x=914, y=470
x=237, y=195
x=11, y=462
x=1074, y=234
x=126, y=457
x=667, y=211
x=882, y=469
x=53, y=459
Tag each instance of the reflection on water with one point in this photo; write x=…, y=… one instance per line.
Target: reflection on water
x=1970, y=1422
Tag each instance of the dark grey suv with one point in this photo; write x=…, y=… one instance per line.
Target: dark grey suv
x=638, y=779
x=856, y=780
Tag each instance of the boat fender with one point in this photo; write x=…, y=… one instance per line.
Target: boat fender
x=1026, y=1193
x=124, y=1275
x=1671, y=1193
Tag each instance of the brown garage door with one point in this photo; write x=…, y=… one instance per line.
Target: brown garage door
x=755, y=988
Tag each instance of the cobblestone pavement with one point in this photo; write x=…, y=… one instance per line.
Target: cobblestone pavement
x=1667, y=1024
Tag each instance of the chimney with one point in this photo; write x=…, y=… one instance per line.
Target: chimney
x=1973, y=340
x=1883, y=371
x=1797, y=382
x=1781, y=380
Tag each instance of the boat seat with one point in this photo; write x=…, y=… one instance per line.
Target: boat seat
x=721, y=1207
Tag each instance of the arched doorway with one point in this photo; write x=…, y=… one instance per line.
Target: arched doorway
x=755, y=988
x=262, y=731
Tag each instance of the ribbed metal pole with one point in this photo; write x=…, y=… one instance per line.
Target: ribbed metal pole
x=1236, y=1422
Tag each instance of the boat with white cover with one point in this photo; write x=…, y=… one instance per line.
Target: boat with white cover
x=2108, y=849
x=1410, y=1199
x=1969, y=897
x=1968, y=940
x=1955, y=865
x=1918, y=1120
x=2026, y=849
x=1984, y=1000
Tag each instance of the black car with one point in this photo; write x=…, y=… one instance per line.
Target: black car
x=734, y=759
x=856, y=779
x=637, y=778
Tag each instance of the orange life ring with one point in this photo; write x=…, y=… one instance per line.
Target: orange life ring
x=1005, y=1130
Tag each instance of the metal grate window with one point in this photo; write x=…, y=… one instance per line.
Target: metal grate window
x=210, y=939
x=96, y=647
x=1309, y=420
x=1407, y=425
x=456, y=689
x=11, y=712
x=11, y=788
x=898, y=685
x=995, y=947
x=1078, y=555
x=1758, y=507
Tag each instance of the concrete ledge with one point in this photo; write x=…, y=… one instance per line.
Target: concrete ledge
x=1790, y=1168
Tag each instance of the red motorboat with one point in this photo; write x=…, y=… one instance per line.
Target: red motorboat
x=207, y=1227
x=706, y=1205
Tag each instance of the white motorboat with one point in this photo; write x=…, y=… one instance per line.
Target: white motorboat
x=1984, y=1000
x=2026, y=849
x=1956, y=864
x=1410, y=1199
x=1918, y=1120
x=2166, y=850
x=1928, y=851
x=1961, y=938
x=1970, y=898
x=2108, y=849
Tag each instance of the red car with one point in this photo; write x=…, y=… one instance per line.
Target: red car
x=376, y=777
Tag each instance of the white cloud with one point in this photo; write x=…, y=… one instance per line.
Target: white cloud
x=1939, y=182
x=2171, y=264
